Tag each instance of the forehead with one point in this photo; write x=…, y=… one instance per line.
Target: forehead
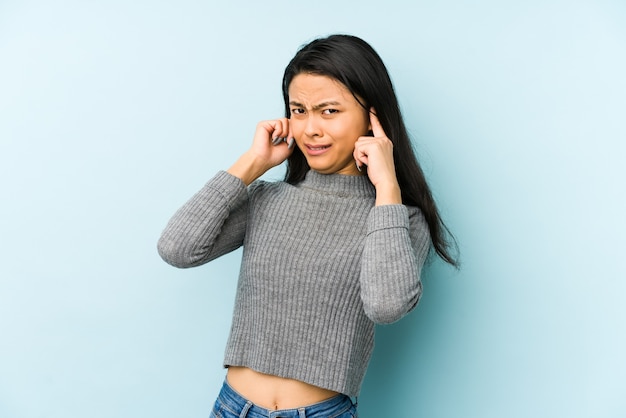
x=314, y=87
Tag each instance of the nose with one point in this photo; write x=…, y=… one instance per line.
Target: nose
x=312, y=127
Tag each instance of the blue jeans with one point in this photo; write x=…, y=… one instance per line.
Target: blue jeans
x=230, y=404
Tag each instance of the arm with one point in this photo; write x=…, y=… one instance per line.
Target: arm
x=396, y=247
x=397, y=240
x=212, y=223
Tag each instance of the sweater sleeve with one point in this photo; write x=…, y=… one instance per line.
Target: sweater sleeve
x=396, y=247
x=211, y=223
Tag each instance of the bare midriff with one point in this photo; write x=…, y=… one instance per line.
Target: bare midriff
x=273, y=392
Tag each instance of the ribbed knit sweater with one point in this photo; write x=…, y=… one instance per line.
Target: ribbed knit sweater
x=321, y=265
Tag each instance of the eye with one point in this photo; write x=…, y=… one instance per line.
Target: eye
x=297, y=111
x=329, y=111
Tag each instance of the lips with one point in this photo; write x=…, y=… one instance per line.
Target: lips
x=316, y=149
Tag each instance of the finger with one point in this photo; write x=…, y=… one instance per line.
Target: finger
x=289, y=133
x=360, y=157
x=279, y=130
x=291, y=141
x=284, y=123
x=377, y=128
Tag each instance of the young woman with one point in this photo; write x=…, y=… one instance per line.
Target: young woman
x=332, y=250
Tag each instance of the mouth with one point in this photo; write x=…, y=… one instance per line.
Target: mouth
x=316, y=149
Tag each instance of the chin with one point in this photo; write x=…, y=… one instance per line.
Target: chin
x=318, y=167
x=321, y=170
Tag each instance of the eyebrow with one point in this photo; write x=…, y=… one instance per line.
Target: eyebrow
x=317, y=106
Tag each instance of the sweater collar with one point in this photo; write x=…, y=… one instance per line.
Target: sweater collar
x=339, y=184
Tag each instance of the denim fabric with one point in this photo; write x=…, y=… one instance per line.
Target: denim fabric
x=230, y=404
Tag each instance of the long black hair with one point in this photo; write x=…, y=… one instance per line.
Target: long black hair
x=354, y=63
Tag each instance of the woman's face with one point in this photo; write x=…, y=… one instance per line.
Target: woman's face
x=326, y=121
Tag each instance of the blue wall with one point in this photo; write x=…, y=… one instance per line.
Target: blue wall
x=112, y=113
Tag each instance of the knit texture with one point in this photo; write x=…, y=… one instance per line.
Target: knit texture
x=321, y=265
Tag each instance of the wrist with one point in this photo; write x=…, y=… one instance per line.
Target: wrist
x=248, y=168
x=388, y=194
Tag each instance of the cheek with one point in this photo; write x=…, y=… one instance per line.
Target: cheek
x=351, y=131
x=340, y=128
x=296, y=128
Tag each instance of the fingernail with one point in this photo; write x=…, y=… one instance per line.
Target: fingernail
x=277, y=140
x=358, y=167
x=292, y=141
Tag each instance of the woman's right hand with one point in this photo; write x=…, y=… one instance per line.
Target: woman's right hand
x=272, y=141
x=272, y=144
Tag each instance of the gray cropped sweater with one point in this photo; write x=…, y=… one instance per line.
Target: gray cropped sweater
x=321, y=265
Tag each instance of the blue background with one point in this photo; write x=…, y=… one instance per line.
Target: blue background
x=112, y=113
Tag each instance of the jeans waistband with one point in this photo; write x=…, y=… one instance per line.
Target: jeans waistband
x=237, y=404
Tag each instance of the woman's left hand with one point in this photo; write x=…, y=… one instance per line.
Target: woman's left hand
x=376, y=152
